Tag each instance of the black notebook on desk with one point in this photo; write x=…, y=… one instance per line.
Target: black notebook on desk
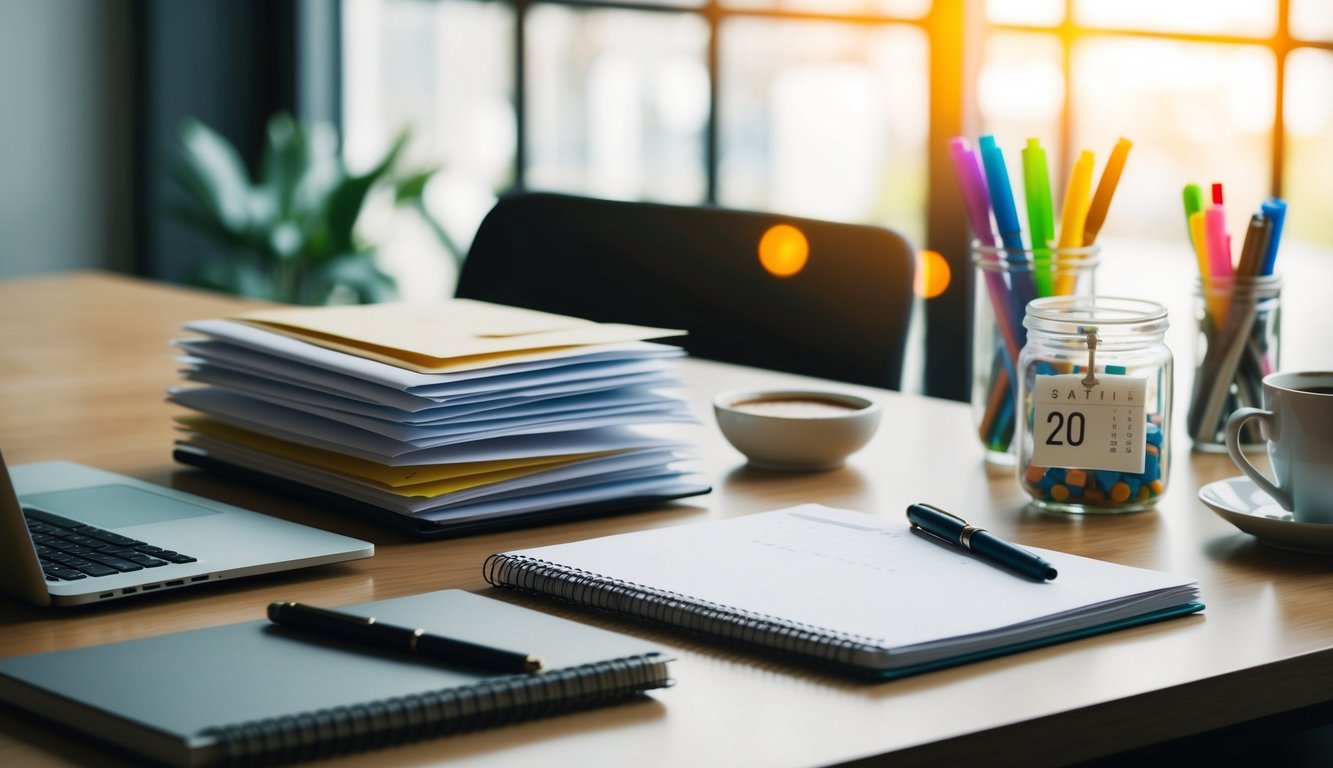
x=256, y=692
x=850, y=591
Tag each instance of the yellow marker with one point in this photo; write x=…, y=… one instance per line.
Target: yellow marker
x=1074, y=215
x=1101, y=200
x=1214, y=302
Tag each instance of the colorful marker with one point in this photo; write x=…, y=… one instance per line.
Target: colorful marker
x=1041, y=218
x=1275, y=209
x=1006, y=220
x=1193, y=196
x=1101, y=200
x=972, y=183
x=1075, y=213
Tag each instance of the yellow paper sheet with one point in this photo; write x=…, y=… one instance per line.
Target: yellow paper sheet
x=456, y=335
x=391, y=477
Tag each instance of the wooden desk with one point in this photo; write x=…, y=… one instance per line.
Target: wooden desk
x=84, y=362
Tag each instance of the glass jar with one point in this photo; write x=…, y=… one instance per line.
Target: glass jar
x=1006, y=279
x=1095, y=394
x=1238, y=343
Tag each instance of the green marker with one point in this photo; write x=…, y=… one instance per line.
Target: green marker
x=1193, y=204
x=1041, y=216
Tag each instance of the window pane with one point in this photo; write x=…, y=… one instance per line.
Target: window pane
x=617, y=103
x=1044, y=13
x=443, y=71
x=825, y=120
x=1020, y=91
x=1196, y=113
x=1308, y=113
x=909, y=9
x=1256, y=18
x=1311, y=19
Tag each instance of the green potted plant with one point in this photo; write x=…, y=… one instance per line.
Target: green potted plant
x=289, y=235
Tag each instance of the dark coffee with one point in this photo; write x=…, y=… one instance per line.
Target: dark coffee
x=1316, y=389
x=794, y=407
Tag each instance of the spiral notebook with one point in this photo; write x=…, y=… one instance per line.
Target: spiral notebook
x=846, y=590
x=255, y=692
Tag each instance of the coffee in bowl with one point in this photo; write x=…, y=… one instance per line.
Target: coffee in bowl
x=796, y=429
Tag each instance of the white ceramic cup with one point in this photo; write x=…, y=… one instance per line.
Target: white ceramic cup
x=1298, y=422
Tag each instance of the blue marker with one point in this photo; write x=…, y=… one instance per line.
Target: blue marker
x=1275, y=209
x=1001, y=194
x=1023, y=285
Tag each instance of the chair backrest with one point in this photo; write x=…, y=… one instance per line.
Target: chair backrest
x=844, y=316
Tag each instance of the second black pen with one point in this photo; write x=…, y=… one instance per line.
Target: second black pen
x=367, y=631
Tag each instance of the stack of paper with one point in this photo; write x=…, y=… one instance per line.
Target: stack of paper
x=447, y=417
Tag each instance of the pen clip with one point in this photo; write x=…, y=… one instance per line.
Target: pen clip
x=934, y=508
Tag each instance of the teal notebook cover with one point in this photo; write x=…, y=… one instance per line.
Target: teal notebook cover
x=1064, y=637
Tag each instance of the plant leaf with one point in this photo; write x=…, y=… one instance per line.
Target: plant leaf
x=348, y=198
x=213, y=171
x=286, y=158
x=412, y=187
x=359, y=273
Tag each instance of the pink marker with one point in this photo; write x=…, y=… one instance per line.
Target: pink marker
x=972, y=183
x=1219, y=251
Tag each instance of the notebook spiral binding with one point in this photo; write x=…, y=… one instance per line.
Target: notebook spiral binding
x=413, y=718
x=698, y=617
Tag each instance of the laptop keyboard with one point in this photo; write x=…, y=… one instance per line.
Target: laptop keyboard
x=70, y=550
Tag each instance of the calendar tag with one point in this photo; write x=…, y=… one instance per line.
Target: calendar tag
x=1080, y=427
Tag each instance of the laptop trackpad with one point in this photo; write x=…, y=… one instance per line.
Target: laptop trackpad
x=115, y=506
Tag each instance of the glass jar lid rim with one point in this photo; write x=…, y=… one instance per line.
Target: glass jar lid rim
x=1105, y=310
x=981, y=250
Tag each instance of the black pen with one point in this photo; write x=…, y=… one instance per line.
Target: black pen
x=986, y=545
x=361, y=630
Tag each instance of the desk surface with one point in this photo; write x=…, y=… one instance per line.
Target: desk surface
x=84, y=363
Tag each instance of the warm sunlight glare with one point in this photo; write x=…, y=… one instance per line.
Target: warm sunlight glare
x=932, y=275
x=783, y=250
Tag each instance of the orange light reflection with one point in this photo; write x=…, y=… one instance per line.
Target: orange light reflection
x=783, y=250
x=932, y=275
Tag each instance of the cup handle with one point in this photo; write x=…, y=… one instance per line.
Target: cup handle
x=1234, y=424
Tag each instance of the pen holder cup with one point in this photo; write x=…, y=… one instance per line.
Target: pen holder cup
x=1006, y=279
x=1239, y=322
x=1095, y=404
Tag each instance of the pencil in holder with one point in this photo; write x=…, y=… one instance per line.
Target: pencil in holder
x=1006, y=280
x=1239, y=322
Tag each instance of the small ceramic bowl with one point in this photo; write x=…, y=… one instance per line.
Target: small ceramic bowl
x=796, y=429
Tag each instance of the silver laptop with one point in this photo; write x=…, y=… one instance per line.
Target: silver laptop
x=71, y=534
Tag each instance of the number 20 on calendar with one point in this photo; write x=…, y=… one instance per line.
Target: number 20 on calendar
x=1102, y=426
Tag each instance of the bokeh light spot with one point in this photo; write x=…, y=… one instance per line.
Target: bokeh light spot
x=783, y=250
x=932, y=275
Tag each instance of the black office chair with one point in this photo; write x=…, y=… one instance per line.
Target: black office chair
x=843, y=316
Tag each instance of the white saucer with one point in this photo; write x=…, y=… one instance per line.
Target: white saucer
x=1240, y=502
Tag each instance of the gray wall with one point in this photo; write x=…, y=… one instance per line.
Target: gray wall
x=66, y=154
